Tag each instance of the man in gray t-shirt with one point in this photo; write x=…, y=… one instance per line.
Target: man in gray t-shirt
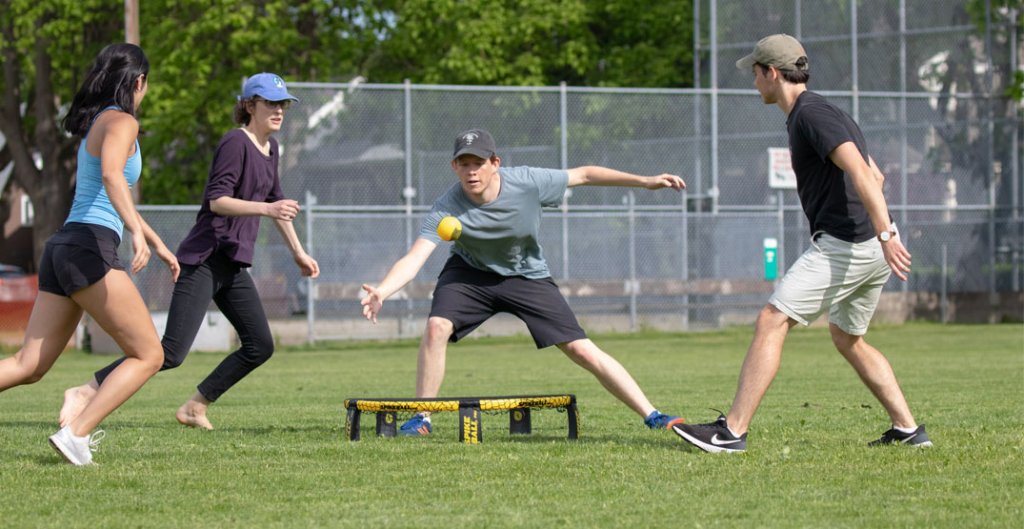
x=497, y=265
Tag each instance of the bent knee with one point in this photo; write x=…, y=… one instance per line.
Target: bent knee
x=438, y=327
x=151, y=358
x=844, y=342
x=583, y=352
x=28, y=374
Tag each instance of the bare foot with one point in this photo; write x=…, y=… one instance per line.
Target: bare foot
x=193, y=414
x=75, y=400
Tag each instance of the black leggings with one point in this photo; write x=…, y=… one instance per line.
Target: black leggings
x=232, y=289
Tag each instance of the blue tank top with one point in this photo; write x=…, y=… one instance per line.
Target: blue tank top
x=91, y=204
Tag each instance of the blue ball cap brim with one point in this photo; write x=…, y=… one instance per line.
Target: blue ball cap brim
x=269, y=86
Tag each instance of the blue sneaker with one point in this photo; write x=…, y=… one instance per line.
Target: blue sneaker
x=418, y=425
x=659, y=421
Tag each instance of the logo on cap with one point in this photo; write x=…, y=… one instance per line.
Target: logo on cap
x=468, y=138
x=278, y=82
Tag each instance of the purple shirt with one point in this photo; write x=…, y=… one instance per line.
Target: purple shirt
x=241, y=171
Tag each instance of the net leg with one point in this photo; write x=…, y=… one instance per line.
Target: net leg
x=386, y=424
x=470, y=431
x=519, y=421
x=352, y=424
x=573, y=417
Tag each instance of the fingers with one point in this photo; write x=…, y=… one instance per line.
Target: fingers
x=899, y=259
x=140, y=259
x=314, y=269
x=371, y=303
x=670, y=180
x=286, y=209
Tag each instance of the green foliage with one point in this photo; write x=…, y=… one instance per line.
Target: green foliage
x=506, y=42
x=278, y=459
x=538, y=42
x=201, y=51
x=1015, y=90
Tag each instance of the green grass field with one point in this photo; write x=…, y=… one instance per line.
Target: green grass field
x=278, y=458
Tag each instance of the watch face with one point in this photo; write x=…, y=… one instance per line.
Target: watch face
x=885, y=236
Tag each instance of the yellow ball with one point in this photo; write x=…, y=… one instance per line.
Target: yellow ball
x=449, y=228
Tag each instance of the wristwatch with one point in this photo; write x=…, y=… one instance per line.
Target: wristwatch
x=886, y=236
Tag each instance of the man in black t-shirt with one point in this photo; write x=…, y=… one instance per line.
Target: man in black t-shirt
x=854, y=249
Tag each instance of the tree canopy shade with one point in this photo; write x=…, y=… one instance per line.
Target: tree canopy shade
x=539, y=42
x=200, y=50
x=43, y=43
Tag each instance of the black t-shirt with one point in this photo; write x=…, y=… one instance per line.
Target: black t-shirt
x=816, y=127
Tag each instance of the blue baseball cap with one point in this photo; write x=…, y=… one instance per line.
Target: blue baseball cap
x=269, y=86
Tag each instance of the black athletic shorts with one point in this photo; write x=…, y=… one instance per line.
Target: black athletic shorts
x=77, y=256
x=468, y=296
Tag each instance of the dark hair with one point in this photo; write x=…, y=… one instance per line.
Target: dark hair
x=800, y=76
x=110, y=81
x=242, y=115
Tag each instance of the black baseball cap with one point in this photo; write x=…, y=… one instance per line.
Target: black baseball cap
x=477, y=142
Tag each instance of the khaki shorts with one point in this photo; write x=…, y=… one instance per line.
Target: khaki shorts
x=841, y=277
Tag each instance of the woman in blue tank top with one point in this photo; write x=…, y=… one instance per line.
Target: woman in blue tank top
x=80, y=270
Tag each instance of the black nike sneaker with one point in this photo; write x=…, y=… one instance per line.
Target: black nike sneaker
x=917, y=438
x=712, y=437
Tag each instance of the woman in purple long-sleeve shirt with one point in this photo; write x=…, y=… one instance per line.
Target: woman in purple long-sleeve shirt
x=243, y=186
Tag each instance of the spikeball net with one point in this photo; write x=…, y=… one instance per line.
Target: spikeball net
x=471, y=409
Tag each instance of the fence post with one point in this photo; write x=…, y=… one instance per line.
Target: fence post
x=686, y=259
x=780, y=256
x=943, y=299
x=409, y=193
x=310, y=285
x=904, y=285
x=633, y=285
x=713, y=192
x=1015, y=161
x=563, y=118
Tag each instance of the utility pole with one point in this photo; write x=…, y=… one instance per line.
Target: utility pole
x=131, y=36
x=131, y=21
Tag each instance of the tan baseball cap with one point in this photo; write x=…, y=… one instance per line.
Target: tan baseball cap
x=781, y=51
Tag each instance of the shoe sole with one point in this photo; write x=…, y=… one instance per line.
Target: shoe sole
x=60, y=448
x=710, y=448
x=419, y=432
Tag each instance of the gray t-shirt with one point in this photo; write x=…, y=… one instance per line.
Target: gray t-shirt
x=501, y=236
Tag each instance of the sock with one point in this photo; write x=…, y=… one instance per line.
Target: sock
x=426, y=418
x=904, y=430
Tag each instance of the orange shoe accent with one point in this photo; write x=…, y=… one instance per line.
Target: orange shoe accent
x=673, y=422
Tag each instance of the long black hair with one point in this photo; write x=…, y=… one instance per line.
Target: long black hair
x=110, y=81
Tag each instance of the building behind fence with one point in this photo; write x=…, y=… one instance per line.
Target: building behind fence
x=367, y=160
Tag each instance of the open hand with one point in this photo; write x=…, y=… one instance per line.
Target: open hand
x=372, y=303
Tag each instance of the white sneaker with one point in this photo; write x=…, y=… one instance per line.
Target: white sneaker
x=74, y=449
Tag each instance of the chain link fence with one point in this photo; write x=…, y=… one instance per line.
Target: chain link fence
x=367, y=161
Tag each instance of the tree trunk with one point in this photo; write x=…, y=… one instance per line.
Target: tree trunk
x=51, y=188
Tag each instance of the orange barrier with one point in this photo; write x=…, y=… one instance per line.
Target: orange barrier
x=17, y=294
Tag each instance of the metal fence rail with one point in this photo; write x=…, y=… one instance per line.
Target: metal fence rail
x=367, y=160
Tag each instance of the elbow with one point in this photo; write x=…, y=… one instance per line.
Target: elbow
x=217, y=206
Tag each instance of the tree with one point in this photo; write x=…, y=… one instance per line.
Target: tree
x=200, y=50
x=200, y=53
x=538, y=42
x=42, y=42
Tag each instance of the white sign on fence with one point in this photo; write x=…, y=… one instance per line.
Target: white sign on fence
x=780, y=169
